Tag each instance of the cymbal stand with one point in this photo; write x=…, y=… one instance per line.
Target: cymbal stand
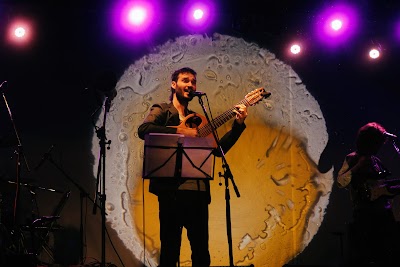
x=20, y=157
x=83, y=194
x=227, y=174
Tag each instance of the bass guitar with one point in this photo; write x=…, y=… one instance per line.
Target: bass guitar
x=384, y=187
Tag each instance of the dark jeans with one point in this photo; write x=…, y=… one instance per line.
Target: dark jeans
x=189, y=209
x=375, y=238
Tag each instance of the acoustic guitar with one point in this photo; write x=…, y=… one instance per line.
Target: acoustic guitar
x=205, y=129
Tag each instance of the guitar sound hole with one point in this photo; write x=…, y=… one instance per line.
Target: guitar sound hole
x=193, y=122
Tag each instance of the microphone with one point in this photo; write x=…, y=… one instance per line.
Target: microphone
x=43, y=159
x=195, y=93
x=390, y=135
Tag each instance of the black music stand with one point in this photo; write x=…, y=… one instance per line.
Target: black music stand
x=177, y=156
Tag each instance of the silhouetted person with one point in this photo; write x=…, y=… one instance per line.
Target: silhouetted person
x=374, y=232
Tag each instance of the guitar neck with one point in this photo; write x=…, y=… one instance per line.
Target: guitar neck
x=220, y=120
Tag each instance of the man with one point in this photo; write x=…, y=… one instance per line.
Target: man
x=184, y=202
x=374, y=233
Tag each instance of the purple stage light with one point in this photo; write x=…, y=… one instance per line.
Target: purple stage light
x=397, y=31
x=337, y=24
x=135, y=20
x=198, y=16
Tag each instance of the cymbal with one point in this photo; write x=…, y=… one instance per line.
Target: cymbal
x=31, y=186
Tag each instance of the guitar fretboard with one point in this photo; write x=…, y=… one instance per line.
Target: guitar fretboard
x=220, y=120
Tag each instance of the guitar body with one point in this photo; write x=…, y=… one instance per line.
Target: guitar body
x=378, y=191
x=193, y=120
x=379, y=188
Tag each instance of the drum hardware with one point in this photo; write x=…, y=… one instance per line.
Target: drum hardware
x=48, y=223
x=33, y=237
x=14, y=235
x=16, y=239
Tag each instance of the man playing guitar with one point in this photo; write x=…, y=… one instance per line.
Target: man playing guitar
x=184, y=202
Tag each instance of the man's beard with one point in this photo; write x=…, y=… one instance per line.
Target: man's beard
x=181, y=98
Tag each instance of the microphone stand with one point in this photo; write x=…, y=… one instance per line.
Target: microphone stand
x=101, y=134
x=20, y=155
x=227, y=175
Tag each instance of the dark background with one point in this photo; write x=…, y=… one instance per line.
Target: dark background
x=52, y=92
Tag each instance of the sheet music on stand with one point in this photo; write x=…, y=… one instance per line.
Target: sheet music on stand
x=177, y=156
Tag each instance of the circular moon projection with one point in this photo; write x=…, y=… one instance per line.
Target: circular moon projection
x=282, y=196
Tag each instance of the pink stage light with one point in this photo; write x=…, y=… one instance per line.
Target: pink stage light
x=20, y=32
x=374, y=53
x=295, y=49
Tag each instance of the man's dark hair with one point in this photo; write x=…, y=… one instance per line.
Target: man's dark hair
x=370, y=138
x=174, y=77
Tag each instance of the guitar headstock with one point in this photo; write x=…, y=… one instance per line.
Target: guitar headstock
x=256, y=95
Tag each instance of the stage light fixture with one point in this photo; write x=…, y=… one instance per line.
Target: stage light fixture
x=20, y=32
x=137, y=16
x=198, y=16
x=337, y=24
x=295, y=49
x=135, y=21
x=374, y=53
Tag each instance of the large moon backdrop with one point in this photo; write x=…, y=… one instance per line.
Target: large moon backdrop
x=283, y=196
